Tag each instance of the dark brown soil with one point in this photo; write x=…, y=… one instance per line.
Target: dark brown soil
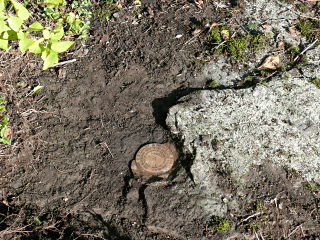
x=67, y=174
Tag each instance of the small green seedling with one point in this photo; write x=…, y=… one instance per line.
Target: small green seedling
x=37, y=89
x=37, y=221
x=259, y=205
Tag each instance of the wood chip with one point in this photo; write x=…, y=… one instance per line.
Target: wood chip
x=199, y=3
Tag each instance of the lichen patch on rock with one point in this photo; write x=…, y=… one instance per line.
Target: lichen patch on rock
x=231, y=131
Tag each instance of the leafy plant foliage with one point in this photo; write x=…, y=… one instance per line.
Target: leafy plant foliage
x=48, y=36
x=4, y=130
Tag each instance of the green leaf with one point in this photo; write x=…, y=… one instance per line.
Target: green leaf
x=21, y=11
x=54, y=3
x=3, y=16
x=3, y=131
x=10, y=35
x=46, y=33
x=1, y=100
x=57, y=33
x=2, y=108
x=61, y=46
x=5, y=140
x=4, y=44
x=4, y=121
x=3, y=26
x=21, y=35
x=36, y=26
x=15, y=23
x=70, y=17
x=24, y=44
x=37, y=221
x=36, y=46
x=37, y=89
x=49, y=58
x=2, y=5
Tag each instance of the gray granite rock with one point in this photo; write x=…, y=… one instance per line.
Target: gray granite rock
x=232, y=130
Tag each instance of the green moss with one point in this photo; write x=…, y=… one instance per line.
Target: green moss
x=316, y=81
x=302, y=7
x=216, y=36
x=106, y=11
x=214, y=83
x=259, y=205
x=309, y=28
x=238, y=46
x=313, y=187
x=293, y=49
x=219, y=224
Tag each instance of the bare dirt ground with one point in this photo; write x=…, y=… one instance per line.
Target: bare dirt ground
x=66, y=174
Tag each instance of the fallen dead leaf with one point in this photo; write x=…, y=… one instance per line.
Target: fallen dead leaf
x=8, y=133
x=292, y=30
x=266, y=26
x=280, y=44
x=196, y=31
x=150, y=12
x=119, y=5
x=199, y=3
x=271, y=62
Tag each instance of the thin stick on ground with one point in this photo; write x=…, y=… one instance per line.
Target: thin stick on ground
x=64, y=62
x=294, y=230
x=306, y=49
x=106, y=145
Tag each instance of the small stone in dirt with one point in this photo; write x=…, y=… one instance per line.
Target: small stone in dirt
x=154, y=160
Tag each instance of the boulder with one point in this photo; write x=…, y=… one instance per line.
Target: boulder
x=228, y=132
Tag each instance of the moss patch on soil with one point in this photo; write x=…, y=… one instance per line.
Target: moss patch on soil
x=310, y=28
x=236, y=46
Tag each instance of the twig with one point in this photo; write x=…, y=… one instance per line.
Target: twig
x=241, y=26
x=30, y=111
x=225, y=41
x=194, y=37
x=261, y=236
x=65, y=62
x=306, y=49
x=294, y=230
x=257, y=236
x=108, y=149
x=251, y=216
